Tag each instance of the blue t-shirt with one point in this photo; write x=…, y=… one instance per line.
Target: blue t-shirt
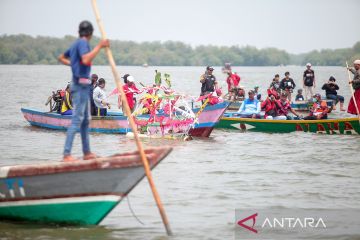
x=249, y=106
x=74, y=53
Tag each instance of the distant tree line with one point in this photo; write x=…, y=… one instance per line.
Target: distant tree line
x=24, y=49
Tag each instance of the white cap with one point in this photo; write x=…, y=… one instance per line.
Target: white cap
x=357, y=61
x=308, y=64
x=130, y=79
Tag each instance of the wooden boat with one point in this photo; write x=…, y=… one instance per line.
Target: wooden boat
x=328, y=126
x=117, y=123
x=300, y=106
x=77, y=193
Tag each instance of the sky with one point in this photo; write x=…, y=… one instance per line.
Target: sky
x=297, y=26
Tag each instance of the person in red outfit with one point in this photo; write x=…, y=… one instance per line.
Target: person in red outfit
x=272, y=107
x=129, y=89
x=356, y=86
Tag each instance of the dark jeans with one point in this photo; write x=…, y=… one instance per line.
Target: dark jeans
x=336, y=98
x=100, y=111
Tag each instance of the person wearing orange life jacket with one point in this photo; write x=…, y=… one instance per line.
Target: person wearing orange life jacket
x=271, y=107
x=66, y=102
x=319, y=110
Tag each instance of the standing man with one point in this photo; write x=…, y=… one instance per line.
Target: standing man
x=208, y=81
x=79, y=57
x=309, y=81
x=275, y=84
x=288, y=85
x=356, y=86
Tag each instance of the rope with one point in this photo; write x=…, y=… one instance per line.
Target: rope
x=132, y=211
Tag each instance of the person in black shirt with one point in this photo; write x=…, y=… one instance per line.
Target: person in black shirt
x=309, y=81
x=208, y=81
x=275, y=84
x=287, y=85
x=331, y=93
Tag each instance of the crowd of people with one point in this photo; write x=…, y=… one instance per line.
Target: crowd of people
x=99, y=102
x=277, y=104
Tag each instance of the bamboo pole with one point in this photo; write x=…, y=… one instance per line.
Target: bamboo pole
x=132, y=123
x=352, y=91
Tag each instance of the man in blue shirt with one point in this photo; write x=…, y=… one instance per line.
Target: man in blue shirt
x=79, y=57
x=250, y=107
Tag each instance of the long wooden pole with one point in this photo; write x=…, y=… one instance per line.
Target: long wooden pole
x=352, y=91
x=132, y=123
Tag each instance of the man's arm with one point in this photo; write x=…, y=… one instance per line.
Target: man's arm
x=88, y=57
x=202, y=78
x=242, y=107
x=352, y=70
x=304, y=79
x=314, y=84
x=294, y=112
x=258, y=107
x=64, y=60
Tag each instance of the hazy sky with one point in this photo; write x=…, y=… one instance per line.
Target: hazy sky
x=293, y=25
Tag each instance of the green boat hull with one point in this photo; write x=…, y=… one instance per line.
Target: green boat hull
x=68, y=213
x=329, y=126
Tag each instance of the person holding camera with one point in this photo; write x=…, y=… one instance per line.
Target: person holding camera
x=208, y=81
x=309, y=81
x=287, y=84
x=331, y=93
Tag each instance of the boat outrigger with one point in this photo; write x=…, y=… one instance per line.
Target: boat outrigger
x=74, y=193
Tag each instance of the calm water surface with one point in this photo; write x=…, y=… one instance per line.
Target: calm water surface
x=203, y=181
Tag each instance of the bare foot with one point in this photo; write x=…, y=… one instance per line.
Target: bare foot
x=89, y=156
x=68, y=158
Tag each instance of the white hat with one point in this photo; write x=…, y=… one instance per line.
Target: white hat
x=308, y=64
x=130, y=79
x=357, y=61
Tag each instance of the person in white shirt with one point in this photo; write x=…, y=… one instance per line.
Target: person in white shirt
x=100, y=99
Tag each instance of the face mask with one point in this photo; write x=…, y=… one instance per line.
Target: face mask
x=314, y=100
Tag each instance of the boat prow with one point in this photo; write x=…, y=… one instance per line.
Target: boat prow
x=76, y=193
